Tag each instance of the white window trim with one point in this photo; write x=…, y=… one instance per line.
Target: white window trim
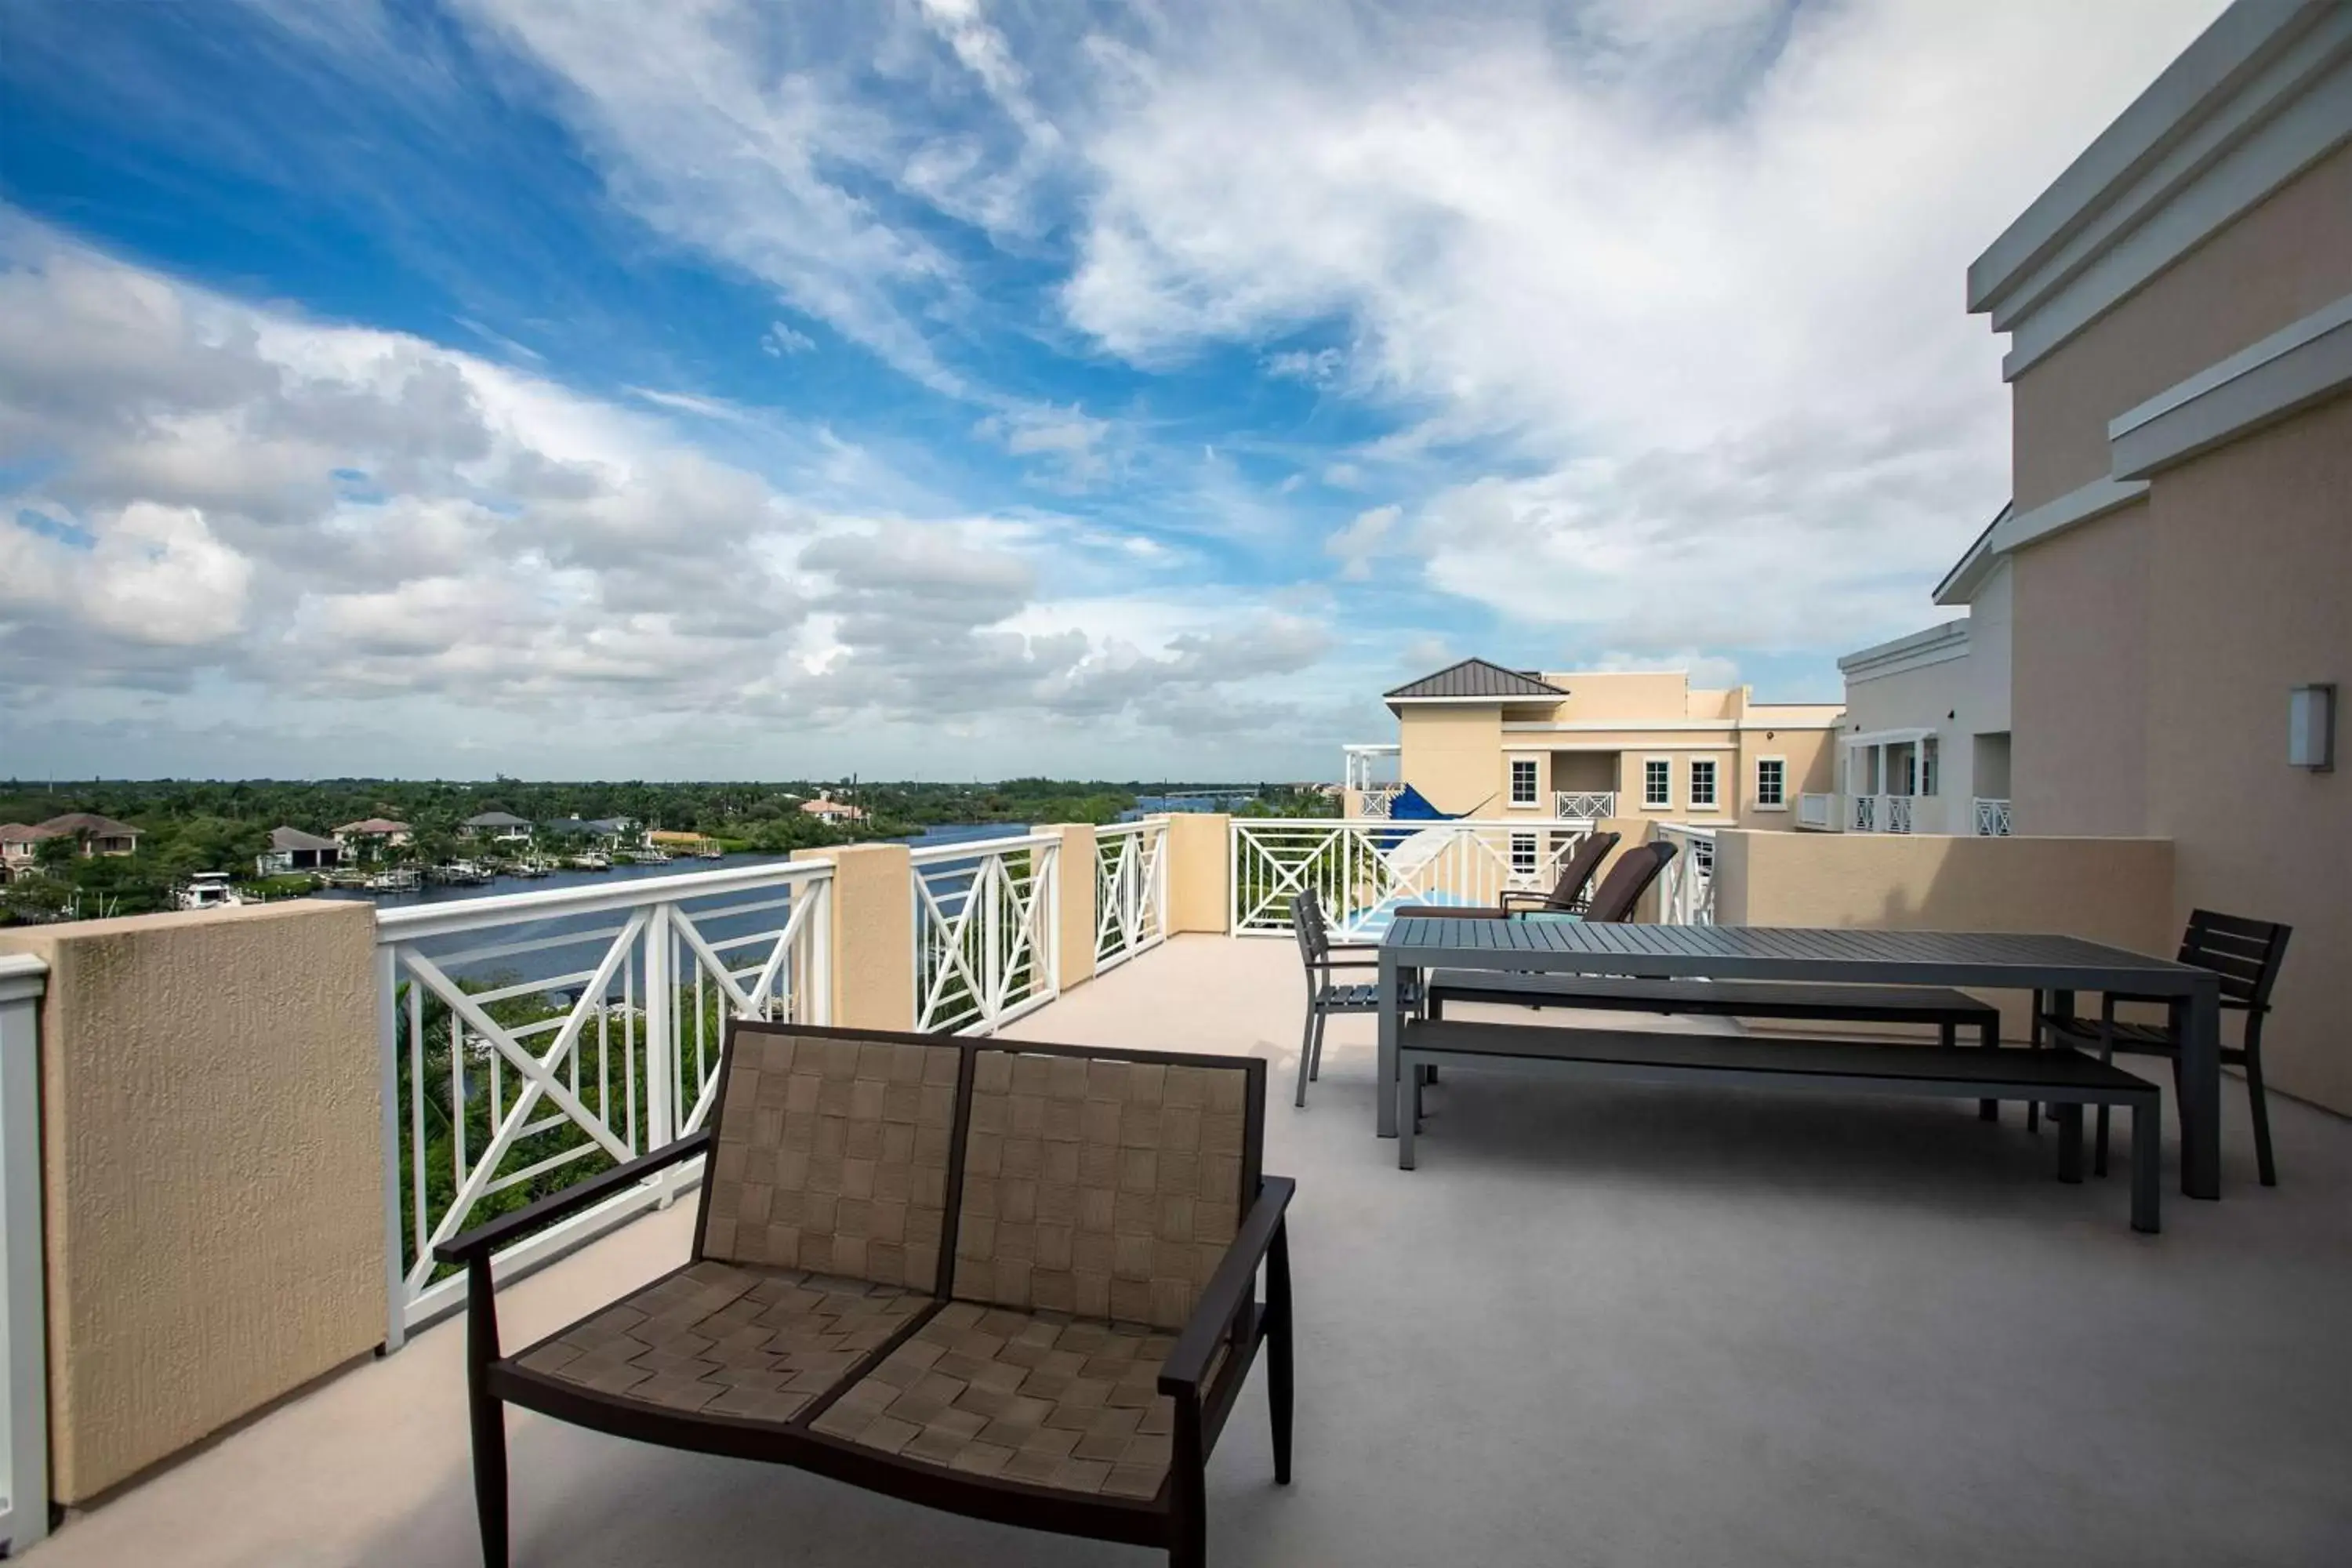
x=1760, y=805
x=1667, y=804
x=1714, y=783
x=1535, y=784
x=1534, y=855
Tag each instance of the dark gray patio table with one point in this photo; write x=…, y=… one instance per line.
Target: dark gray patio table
x=1996, y=960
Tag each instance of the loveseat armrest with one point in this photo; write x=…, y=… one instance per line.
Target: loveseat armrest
x=489, y=1237
x=1233, y=1286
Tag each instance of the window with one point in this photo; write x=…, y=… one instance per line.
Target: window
x=1523, y=854
x=1657, y=782
x=1523, y=781
x=1928, y=769
x=1773, y=784
x=1702, y=790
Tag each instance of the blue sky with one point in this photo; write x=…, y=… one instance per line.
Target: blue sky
x=955, y=390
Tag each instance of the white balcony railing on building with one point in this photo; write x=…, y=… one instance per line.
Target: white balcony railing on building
x=1361, y=871
x=532, y=1040
x=1585, y=804
x=1374, y=800
x=1816, y=811
x=24, y=1313
x=1130, y=890
x=1879, y=814
x=987, y=936
x=1993, y=817
x=1686, y=884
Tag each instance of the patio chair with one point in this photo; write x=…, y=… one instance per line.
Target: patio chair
x=1621, y=892
x=1567, y=895
x=2246, y=954
x=1009, y=1280
x=1327, y=993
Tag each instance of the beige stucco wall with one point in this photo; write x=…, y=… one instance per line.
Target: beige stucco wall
x=2250, y=583
x=2115, y=891
x=873, y=935
x=213, y=1165
x=1454, y=757
x=2279, y=262
x=1199, y=868
x=2079, y=694
x=1074, y=901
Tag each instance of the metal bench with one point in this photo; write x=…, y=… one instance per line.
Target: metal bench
x=2064, y=1081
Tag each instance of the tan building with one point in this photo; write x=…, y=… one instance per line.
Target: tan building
x=2179, y=312
x=1477, y=739
x=832, y=810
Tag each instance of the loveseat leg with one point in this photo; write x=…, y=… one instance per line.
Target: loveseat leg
x=489, y=1416
x=1278, y=1349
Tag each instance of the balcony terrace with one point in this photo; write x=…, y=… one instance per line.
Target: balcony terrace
x=1598, y=1324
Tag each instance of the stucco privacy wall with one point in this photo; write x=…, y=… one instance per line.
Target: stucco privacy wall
x=2285, y=259
x=2250, y=593
x=1198, y=855
x=2115, y=890
x=873, y=935
x=213, y=1165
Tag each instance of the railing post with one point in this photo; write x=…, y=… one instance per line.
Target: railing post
x=23, y=1303
x=661, y=1041
x=395, y=1255
x=1077, y=883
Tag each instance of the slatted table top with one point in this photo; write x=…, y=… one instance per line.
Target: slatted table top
x=1788, y=953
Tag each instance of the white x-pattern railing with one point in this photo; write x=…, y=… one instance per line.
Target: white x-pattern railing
x=1360, y=870
x=1686, y=884
x=1584, y=802
x=531, y=1039
x=1130, y=890
x=1993, y=817
x=987, y=933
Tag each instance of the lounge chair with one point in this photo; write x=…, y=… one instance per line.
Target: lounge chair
x=1567, y=895
x=1009, y=1280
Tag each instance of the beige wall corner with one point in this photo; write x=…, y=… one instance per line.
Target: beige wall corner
x=1074, y=901
x=2115, y=891
x=1198, y=854
x=873, y=935
x=213, y=1165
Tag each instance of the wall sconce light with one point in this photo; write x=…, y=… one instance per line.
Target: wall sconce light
x=2311, y=728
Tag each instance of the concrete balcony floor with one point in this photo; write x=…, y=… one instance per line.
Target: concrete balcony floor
x=1620, y=1327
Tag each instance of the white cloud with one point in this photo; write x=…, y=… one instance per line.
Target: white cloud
x=782, y=342
x=1074, y=446
x=1368, y=534
x=1318, y=368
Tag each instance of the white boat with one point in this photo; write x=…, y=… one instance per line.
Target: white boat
x=398, y=880
x=209, y=891
x=592, y=861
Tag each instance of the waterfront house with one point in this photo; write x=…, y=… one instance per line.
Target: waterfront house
x=497, y=826
x=831, y=810
x=607, y=831
x=1477, y=738
x=20, y=848
x=95, y=835
x=368, y=839
x=291, y=849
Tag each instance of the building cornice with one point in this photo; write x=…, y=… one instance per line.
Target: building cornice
x=2291, y=369
x=1666, y=726
x=2265, y=92
x=2072, y=509
x=1936, y=645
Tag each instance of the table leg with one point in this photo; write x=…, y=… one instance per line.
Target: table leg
x=1384, y=1089
x=1989, y=1109
x=2198, y=1019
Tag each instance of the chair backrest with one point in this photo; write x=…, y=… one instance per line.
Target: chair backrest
x=1627, y=881
x=1576, y=871
x=1307, y=923
x=831, y=1153
x=1105, y=1184
x=2245, y=954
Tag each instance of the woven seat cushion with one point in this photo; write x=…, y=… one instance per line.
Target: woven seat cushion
x=1037, y=1397
x=832, y=1156
x=732, y=1340
x=1104, y=1189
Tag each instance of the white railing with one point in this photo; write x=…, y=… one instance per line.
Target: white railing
x=1374, y=800
x=532, y=1040
x=1816, y=811
x=1130, y=890
x=987, y=934
x=1993, y=817
x=1686, y=884
x=1362, y=870
x=24, y=1313
x=1879, y=814
x=1594, y=804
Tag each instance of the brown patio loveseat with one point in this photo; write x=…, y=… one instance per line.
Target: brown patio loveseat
x=1012, y=1281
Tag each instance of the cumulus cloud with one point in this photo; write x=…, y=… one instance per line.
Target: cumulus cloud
x=1368, y=534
